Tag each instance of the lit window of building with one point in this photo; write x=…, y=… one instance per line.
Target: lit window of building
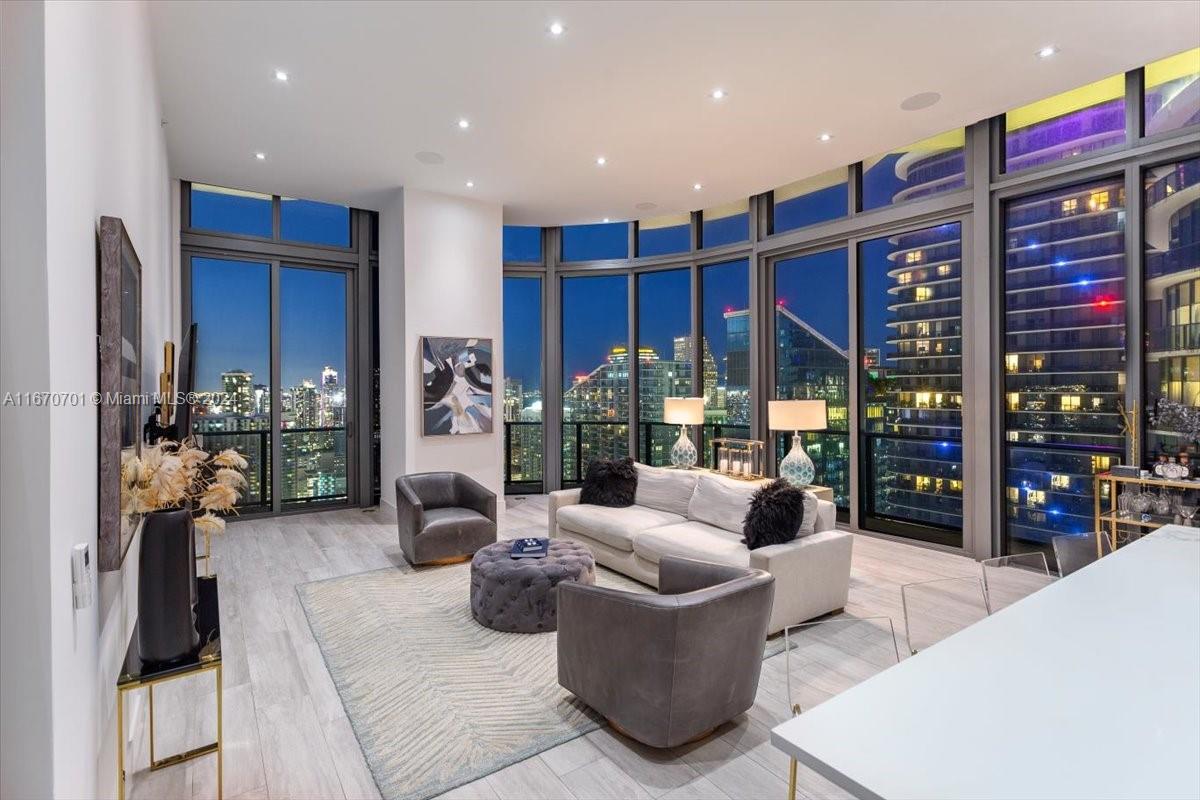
x=944, y=269
x=904, y=278
x=1058, y=481
x=912, y=257
x=923, y=293
x=1070, y=206
x=1012, y=362
x=1098, y=201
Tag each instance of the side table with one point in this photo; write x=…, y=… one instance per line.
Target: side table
x=137, y=674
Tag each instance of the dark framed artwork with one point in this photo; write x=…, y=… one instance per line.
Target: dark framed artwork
x=456, y=380
x=119, y=319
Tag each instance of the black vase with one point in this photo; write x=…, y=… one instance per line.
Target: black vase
x=167, y=587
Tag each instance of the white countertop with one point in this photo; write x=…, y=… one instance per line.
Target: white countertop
x=1089, y=688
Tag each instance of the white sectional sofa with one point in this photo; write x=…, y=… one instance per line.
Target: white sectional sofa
x=699, y=515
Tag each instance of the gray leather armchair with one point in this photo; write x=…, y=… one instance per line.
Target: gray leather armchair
x=667, y=668
x=443, y=517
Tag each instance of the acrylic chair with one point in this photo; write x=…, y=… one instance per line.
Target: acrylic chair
x=939, y=608
x=1007, y=579
x=826, y=657
x=1074, y=551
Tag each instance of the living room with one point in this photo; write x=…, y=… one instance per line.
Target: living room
x=599, y=400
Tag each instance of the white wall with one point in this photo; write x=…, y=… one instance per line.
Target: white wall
x=441, y=261
x=105, y=154
x=25, y=728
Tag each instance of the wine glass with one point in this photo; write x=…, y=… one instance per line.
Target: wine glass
x=1188, y=512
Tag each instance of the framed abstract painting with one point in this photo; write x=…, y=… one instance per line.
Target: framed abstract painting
x=456, y=379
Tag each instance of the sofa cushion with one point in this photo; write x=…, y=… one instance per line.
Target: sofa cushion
x=722, y=502
x=614, y=527
x=609, y=482
x=665, y=489
x=691, y=539
x=776, y=512
x=811, y=508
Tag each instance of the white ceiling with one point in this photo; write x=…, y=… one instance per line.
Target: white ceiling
x=374, y=83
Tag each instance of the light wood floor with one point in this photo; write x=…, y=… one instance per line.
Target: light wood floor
x=287, y=735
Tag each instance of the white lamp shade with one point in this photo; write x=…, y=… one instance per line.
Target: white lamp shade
x=796, y=415
x=683, y=410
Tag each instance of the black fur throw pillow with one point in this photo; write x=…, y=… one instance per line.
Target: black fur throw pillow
x=776, y=511
x=609, y=482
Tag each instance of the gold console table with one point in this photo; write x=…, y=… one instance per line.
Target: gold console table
x=139, y=674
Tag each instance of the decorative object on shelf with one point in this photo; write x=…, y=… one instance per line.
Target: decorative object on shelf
x=457, y=378
x=1174, y=417
x=1144, y=502
x=119, y=317
x=180, y=488
x=796, y=416
x=739, y=458
x=683, y=411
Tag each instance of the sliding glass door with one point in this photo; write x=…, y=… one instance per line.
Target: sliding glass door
x=272, y=355
x=314, y=383
x=910, y=384
x=231, y=306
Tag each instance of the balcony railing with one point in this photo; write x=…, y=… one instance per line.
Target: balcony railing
x=318, y=453
x=584, y=440
x=255, y=447
x=523, y=446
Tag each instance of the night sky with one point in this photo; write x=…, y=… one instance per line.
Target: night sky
x=231, y=300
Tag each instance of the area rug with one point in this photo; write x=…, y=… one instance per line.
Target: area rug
x=435, y=699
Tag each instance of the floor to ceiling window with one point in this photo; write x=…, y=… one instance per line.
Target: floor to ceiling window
x=603, y=241
x=725, y=224
x=910, y=384
x=231, y=306
x=1064, y=356
x=725, y=332
x=314, y=385
x=812, y=361
x=276, y=369
x=664, y=353
x=523, y=433
x=595, y=371
x=1171, y=233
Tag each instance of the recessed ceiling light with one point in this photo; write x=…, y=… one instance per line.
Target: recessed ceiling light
x=1047, y=51
x=464, y=123
x=556, y=28
x=601, y=161
x=717, y=94
x=696, y=187
x=280, y=75
x=825, y=137
x=470, y=184
x=261, y=156
x=606, y=219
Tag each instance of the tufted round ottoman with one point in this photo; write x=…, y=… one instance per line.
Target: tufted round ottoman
x=519, y=594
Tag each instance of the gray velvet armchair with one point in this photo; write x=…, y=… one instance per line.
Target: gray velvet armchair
x=667, y=668
x=443, y=517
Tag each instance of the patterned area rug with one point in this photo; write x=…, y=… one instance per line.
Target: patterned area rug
x=436, y=699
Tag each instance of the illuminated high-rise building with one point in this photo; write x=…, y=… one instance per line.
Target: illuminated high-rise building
x=238, y=387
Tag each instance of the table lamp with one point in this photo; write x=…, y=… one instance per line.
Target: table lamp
x=683, y=411
x=795, y=416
